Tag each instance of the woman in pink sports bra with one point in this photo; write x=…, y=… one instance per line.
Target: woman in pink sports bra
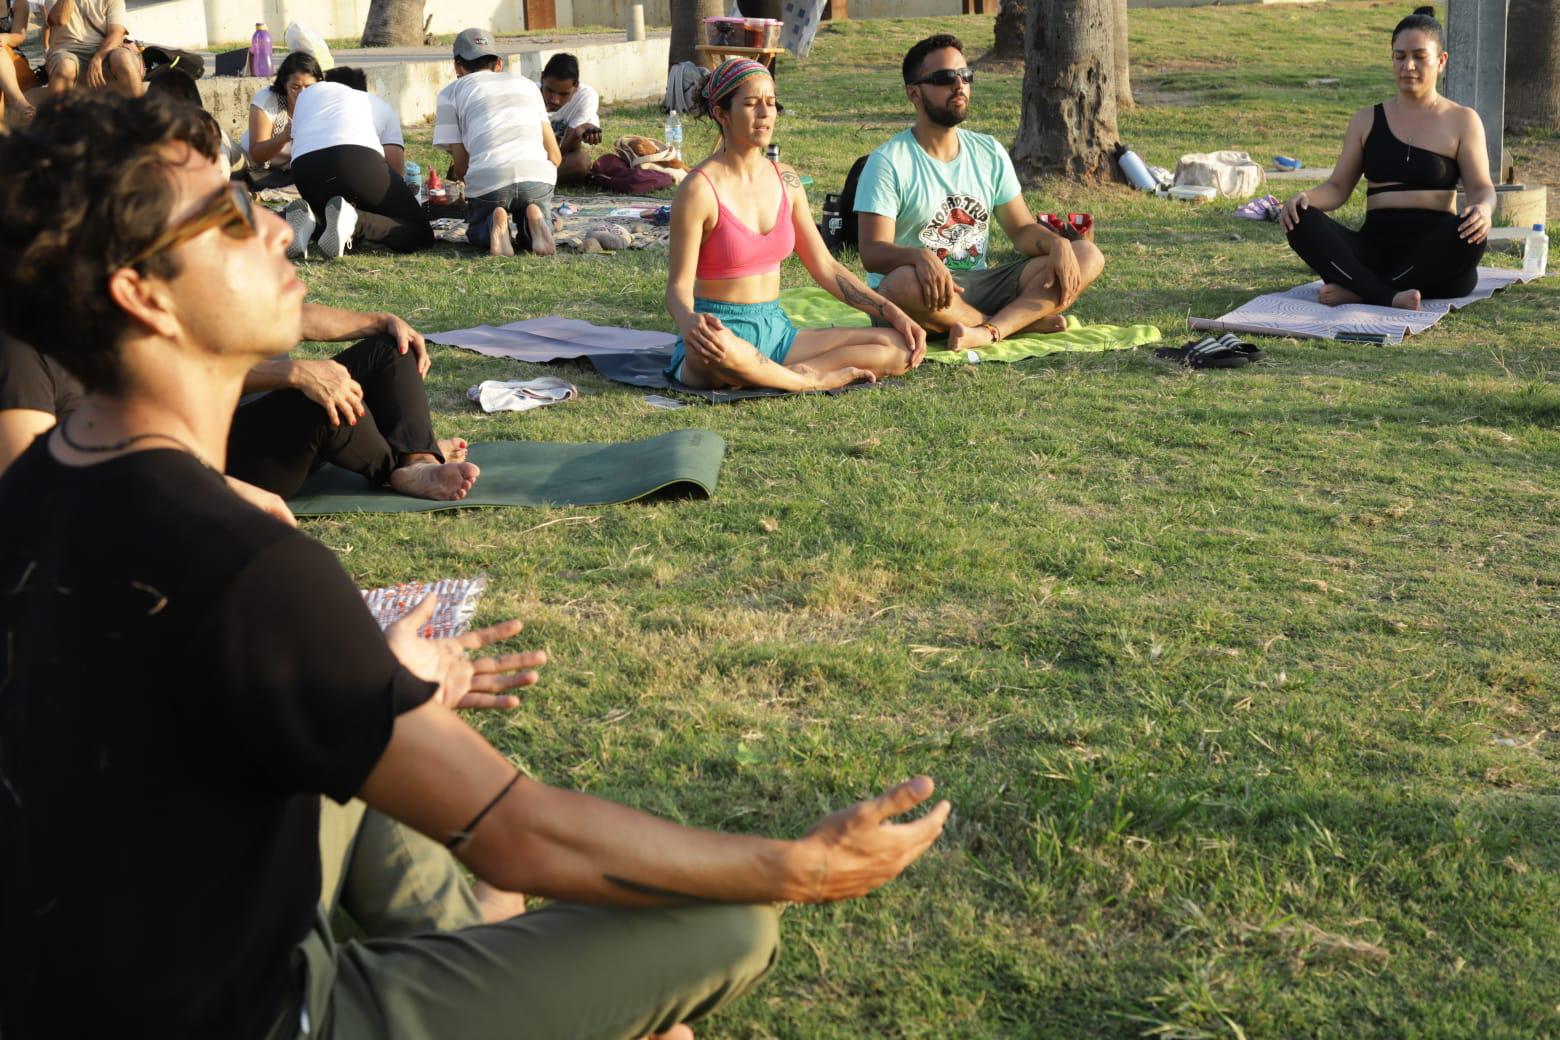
x=735, y=219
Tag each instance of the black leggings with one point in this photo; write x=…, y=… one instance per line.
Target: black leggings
x=1395, y=250
x=278, y=440
x=388, y=212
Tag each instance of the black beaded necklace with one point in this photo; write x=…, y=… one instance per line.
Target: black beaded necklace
x=136, y=438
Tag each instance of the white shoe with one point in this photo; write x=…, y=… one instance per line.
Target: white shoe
x=340, y=222
x=300, y=218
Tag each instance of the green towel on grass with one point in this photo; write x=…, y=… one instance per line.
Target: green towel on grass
x=814, y=308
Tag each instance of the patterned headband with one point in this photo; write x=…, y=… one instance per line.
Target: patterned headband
x=728, y=76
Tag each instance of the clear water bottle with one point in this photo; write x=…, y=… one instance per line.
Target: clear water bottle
x=1535, y=258
x=672, y=133
x=413, y=175
x=260, y=52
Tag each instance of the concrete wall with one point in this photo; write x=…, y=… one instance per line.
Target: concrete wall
x=619, y=70
x=203, y=23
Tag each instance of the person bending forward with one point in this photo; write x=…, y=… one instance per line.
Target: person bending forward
x=734, y=220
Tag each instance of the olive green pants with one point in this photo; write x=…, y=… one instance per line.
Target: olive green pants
x=431, y=968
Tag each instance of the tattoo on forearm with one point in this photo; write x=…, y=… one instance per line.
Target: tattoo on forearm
x=651, y=890
x=790, y=179
x=856, y=298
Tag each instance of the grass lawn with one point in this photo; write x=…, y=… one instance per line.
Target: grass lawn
x=1243, y=684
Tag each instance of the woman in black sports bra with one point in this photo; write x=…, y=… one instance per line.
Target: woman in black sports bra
x=1412, y=151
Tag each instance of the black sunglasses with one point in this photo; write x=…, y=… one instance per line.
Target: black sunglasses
x=947, y=77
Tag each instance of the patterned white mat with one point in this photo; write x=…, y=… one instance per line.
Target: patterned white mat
x=1298, y=313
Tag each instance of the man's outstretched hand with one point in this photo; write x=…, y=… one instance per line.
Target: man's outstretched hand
x=858, y=849
x=464, y=681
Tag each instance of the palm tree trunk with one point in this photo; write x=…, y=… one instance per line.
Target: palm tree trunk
x=688, y=27
x=1068, y=124
x=1533, y=65
x=1123, y=66
x=394, y=23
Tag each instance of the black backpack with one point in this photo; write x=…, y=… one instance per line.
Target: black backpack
x=158, y=57
x=840, y=227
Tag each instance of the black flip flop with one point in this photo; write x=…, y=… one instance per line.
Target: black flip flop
x=1233, y=342
x=1205, y=353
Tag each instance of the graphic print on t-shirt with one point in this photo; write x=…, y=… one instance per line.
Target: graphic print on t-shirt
x=957, y=232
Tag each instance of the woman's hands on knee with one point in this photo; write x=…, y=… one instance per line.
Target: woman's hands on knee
x=1289, y=216
x=706, y=340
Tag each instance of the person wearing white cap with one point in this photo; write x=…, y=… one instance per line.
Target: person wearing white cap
x=496, y=129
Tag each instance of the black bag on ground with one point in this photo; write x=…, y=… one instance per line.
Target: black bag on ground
x=157, y=56
x=840, y=228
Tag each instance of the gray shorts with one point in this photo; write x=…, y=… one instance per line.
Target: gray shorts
x=990, y=289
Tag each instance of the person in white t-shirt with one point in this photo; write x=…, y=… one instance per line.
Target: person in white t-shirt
x=386, y=123
x=495, y=128
x=574, y=111
x=350, y=193
x=268, y=140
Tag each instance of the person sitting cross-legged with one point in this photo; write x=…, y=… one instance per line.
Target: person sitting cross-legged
x=247, y=680
x=1413, y=150
x=573, y=108
x=926, y=201
x=363, y=410
x=89, y=46
x=16, y=76
x=495, y=127
x=723, y=286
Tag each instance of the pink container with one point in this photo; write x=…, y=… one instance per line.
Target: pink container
x=725, y=32
x=762, y=32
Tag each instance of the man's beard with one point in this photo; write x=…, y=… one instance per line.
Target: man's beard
x=947, y=115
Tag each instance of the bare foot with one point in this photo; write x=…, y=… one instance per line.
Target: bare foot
x=968, y=337
x=1336, y=295
x=678, y=1032
x=501, y=244
x=1048, y=324
x=497, y=905
x=1407, y=300
x=836, y=378
x=453, y=449
x=443, y=482
x=541, y=231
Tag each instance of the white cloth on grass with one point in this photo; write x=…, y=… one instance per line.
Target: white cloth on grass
x=521, y=395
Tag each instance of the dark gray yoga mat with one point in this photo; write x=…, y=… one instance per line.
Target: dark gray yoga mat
x=647, y=368
x=537, y=473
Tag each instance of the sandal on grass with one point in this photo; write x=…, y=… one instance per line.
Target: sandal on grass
x=1250, y=350
x=1205, y=353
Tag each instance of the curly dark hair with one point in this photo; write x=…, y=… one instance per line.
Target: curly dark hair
x=87, y=187
x=916, y=56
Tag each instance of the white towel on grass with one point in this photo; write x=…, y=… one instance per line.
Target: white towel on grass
x=521, y=395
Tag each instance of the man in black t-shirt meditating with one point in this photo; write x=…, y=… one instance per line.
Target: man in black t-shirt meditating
x=185, y=677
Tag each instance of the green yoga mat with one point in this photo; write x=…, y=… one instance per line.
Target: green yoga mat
x=814, y=308
x=534, y=473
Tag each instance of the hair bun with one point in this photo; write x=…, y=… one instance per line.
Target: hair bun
x=1428, y=9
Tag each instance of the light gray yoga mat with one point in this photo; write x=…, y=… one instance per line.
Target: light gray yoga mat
x=1298, y=313
x=537, y=473
x=551, y=339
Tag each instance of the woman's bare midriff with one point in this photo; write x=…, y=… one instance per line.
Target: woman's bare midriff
x=758, y=288
x=1436, y=199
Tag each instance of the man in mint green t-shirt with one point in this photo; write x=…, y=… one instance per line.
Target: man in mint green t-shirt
x=925, y=205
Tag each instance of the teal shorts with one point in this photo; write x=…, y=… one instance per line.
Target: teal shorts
x=764, y=325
